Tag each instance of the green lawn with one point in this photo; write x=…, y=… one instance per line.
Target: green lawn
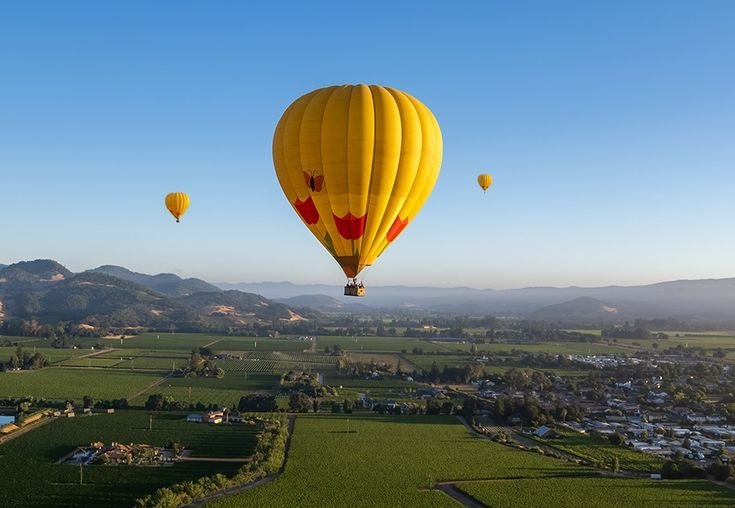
x=29, y=476
x=607, y=492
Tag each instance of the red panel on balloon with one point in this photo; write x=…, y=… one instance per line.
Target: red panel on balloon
x=307, y=210
x=350, y=227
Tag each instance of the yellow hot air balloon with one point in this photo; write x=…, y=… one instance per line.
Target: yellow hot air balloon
x=357, y=163
x=485, y=181
x=177, y=203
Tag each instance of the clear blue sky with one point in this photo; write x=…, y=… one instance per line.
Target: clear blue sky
x=609, y=128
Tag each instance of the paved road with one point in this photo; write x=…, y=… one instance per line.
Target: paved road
x=215, y=459
x=452, y=491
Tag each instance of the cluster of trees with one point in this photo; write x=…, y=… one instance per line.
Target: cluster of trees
x=257, y=403
x=110, y=404
x=464, y=374
x=25, y=361
x=527, y=409
x=302, y=403
x=202, y=366
x=524, y=379
x=308, y=384
x=52, y=331
x=679, y=469
x=342, y=407
x=530, y=331
x=158, y=402
x=335, y=350
x=362, y=369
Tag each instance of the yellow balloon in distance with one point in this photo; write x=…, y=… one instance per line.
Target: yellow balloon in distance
x=177, y=203
x=357, y=163
x=485, y=181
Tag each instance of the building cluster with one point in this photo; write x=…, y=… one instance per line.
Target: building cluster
x=219, y=416
x=639, y=410
x=604, y=361
x=121, y=454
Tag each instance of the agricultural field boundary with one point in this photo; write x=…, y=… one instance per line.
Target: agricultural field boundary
x=241, y=488
x=151, y=386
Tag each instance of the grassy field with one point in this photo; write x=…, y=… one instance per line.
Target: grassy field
x=374, y=388
x=36, y=481
x=61, y=384
x=376, y=344
x=54, y=355
x=392, y=461
x=600, y=450
x=226, y=391
x=608, y=492
x=387, y=461
x=188, y=341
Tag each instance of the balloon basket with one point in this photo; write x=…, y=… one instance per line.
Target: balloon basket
x=354, y=290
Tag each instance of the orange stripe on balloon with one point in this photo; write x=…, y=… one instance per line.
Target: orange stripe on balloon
x=396, y=229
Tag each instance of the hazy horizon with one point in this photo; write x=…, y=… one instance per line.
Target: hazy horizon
x=338, y=283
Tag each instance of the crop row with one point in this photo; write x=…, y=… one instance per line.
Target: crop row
x=58, y=383
x=609, y=492
x=393, y=460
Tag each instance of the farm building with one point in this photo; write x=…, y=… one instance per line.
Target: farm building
x=213, y=416
x=545, y=432
x=208, y=417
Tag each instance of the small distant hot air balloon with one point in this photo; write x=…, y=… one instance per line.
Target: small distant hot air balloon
x=485, y=181
x=177, y=203
x=357, y=163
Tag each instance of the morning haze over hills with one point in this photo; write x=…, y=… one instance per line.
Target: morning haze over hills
x=46, y=290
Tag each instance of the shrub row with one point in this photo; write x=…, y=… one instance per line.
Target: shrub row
x=268, y=458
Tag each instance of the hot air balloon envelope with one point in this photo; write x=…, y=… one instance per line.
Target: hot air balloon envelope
x=177, y=203
x=485, y=181
x=357, y=162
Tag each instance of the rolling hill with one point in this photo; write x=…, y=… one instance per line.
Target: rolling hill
x=165, y=283
x=45, y=291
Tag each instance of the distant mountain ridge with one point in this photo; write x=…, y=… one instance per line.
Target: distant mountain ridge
x=704, y=299
x=110, y=296
x=165, y=283
x=46, y=290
